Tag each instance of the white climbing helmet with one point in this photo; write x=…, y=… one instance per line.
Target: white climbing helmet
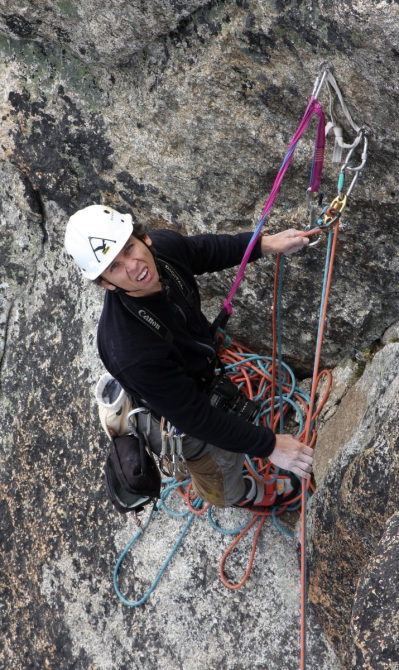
x=94, y=237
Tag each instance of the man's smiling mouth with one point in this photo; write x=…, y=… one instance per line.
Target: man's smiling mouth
x=142, y=275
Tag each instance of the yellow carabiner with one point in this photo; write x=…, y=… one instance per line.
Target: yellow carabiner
x=334, y=211
x=339, y=204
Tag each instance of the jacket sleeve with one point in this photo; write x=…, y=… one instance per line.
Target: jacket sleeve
x=165, y=386
x=212, y=253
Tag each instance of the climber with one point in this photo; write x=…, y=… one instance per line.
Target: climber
x=154, y=339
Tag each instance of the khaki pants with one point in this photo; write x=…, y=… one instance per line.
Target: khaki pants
x=216, y=474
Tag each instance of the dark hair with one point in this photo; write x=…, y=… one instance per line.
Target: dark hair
x=139, y=231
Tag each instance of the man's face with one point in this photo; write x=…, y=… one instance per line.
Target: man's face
x=133, y=269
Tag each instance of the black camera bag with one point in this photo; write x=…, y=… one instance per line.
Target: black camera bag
x=132, y=477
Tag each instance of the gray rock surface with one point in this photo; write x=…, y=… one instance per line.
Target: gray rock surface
x=160, y=135
x=107, y=34
x=340, y=420
x=182, y=111
x=375, y=609
x=353, y=520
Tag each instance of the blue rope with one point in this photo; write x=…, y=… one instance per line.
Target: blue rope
x=165, y=494
x=322, y=303
x=197, y=505
x=161, y=571
x=224, y=531
x=325, y=278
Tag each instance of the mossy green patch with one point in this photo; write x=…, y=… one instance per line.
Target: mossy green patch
x=44, y=67
x=367, y=354
x=5, y=46
x=359, y=39
x=68, y=8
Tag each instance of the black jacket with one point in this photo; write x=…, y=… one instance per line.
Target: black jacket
x=164, y=374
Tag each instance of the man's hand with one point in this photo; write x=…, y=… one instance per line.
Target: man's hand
x=290, y=454
x=287, y=242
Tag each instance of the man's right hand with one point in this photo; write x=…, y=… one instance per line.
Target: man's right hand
x=292, y=455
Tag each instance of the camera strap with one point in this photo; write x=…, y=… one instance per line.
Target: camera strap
x=186, y=291
x=147, y=317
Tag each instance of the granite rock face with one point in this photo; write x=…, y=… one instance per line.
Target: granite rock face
x=181, y=112
x=190, y=135
x=354, y=518
x=375, y=609
x=107, y=34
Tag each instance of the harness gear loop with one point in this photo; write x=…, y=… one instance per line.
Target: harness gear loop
x=181, y=461
x=171, y=459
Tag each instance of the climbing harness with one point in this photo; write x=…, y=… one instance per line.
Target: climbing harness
x=268, y=380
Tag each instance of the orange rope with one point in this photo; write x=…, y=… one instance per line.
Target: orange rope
x=223, y=577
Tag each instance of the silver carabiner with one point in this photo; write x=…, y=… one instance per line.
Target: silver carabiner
x=357, y=169
x=312, y=223
x=317, y=241
x=181, y=461
x=132, y=413
x=324, y=68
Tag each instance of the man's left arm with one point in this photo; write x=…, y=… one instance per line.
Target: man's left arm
x=211, y=253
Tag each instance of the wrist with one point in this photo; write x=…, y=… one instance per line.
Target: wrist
x=271, y=444
x=267, y=246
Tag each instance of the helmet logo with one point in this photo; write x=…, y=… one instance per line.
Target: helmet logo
x=102, y=246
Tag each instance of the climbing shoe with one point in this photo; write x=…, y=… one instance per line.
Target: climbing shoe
x=274, y=492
